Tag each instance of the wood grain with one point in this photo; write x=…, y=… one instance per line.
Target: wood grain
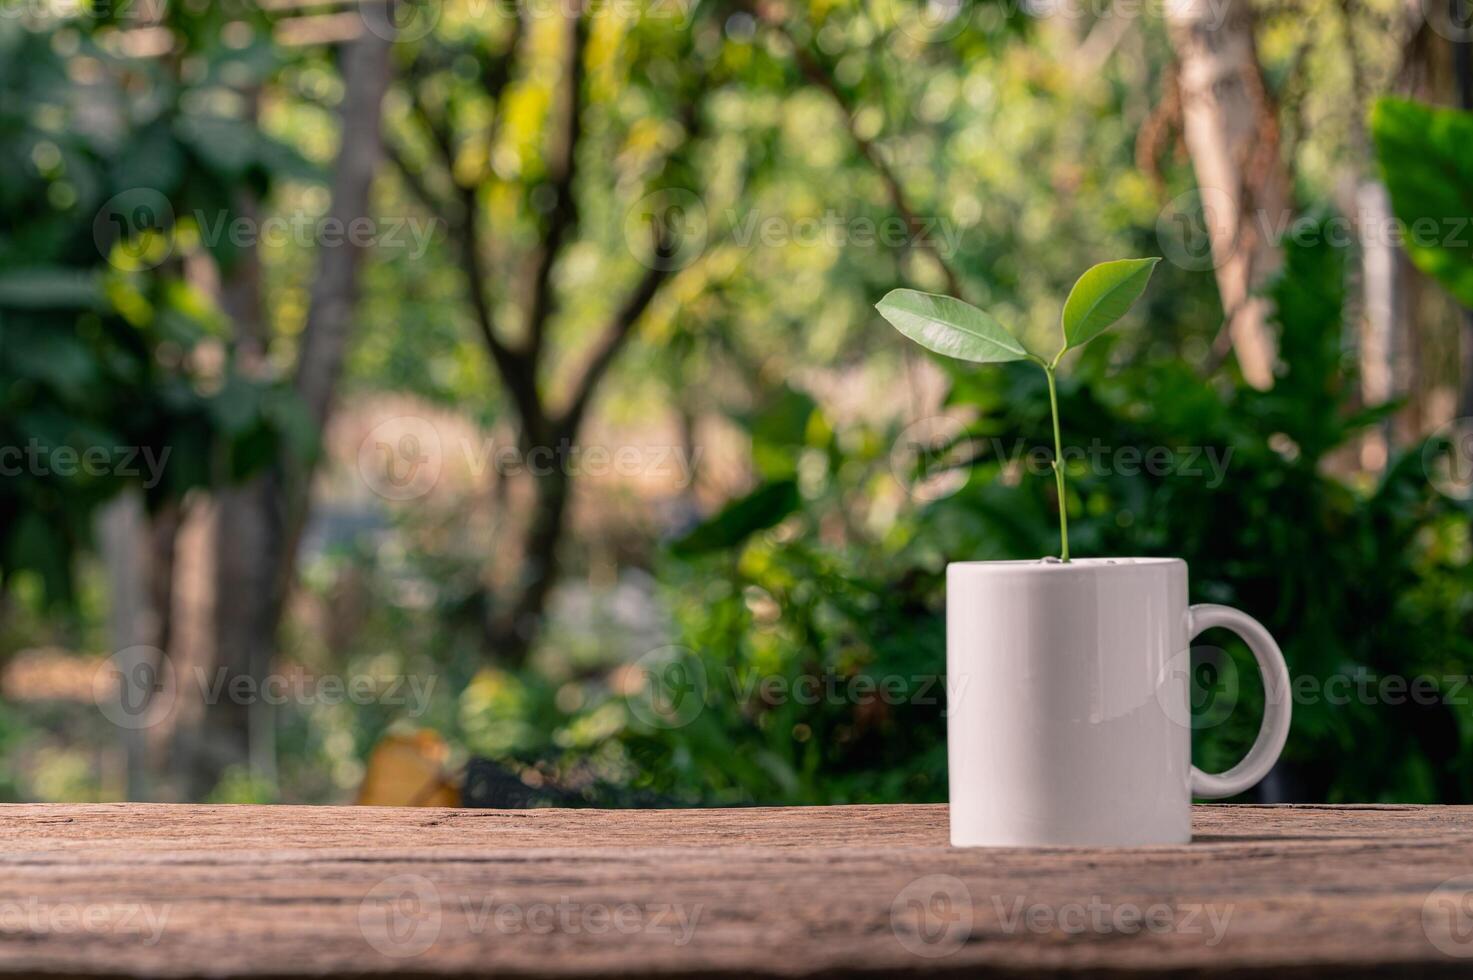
x=146, y=890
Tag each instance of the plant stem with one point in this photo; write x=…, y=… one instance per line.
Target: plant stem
x=1053, y=404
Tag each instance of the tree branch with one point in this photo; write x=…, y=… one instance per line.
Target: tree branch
x=437, y=130
x=607, y=348
x=432, y=202
x=512, y=627
x=516, y=370
x=618, y=330
x=820, y=76
x=562, y=219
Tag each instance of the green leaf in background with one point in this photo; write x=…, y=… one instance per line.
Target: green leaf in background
x=152, y=160
x=237, y=405
x=41, y=546
x=57, y=359
x=779, y=431
x=949, y=326
x=1103, y=295
x=740, y=519
x=1426, y=158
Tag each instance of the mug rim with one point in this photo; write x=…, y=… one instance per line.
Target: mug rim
x=1036, y=566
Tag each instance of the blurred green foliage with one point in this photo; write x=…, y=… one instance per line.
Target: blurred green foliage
x=819, y=666
x=102, y=382
x=805, y=615
x=1355, y=581
x=1425, y=163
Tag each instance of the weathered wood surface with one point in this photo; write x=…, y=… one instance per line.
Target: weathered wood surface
x=222, y=891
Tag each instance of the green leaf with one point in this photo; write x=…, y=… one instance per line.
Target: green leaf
x=1428, y=170
x=44, y=548
x=224, y=145
x=949, y=326
x=757, y=511
x=152, y=159
x=1103, y=295
x=237, y=405
x=57, y=358
x=779, y=430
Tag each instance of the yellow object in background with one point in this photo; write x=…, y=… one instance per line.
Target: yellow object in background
x=409, y=770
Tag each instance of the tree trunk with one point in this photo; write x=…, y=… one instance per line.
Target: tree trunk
x=513, y=630
x=366, y=71
x=222, y=735
x=259, y=522
x=240, y=732
x=1377, y=314
x=138, y=557
x=512, y=615
x=180, y=734
x=1232, y=136
x=1463, y=73
x=1380, y=275
x=1437, y=71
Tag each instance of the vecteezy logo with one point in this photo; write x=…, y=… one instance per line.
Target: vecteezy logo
x=401, y=915
x=400, y=20
x=667, y=230
x=672, y=688
x=932, y=916
x=1184, y=228
x=929, y=458
x=1450, y=19
x=132, y=229
x=1447, y=459
x=400, y=459
x=135, y=687
x=1447, y=916
x=1198, y=688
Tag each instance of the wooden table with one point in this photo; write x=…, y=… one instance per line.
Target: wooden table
x=279, y=891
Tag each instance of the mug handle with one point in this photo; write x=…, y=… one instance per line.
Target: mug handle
x=1276, y=702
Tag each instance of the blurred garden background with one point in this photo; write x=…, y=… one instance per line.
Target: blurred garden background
x=483, y=400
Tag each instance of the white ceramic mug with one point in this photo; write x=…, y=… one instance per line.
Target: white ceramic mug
x=1068, y=717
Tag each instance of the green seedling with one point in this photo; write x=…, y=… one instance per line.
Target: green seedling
x=957, y=329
